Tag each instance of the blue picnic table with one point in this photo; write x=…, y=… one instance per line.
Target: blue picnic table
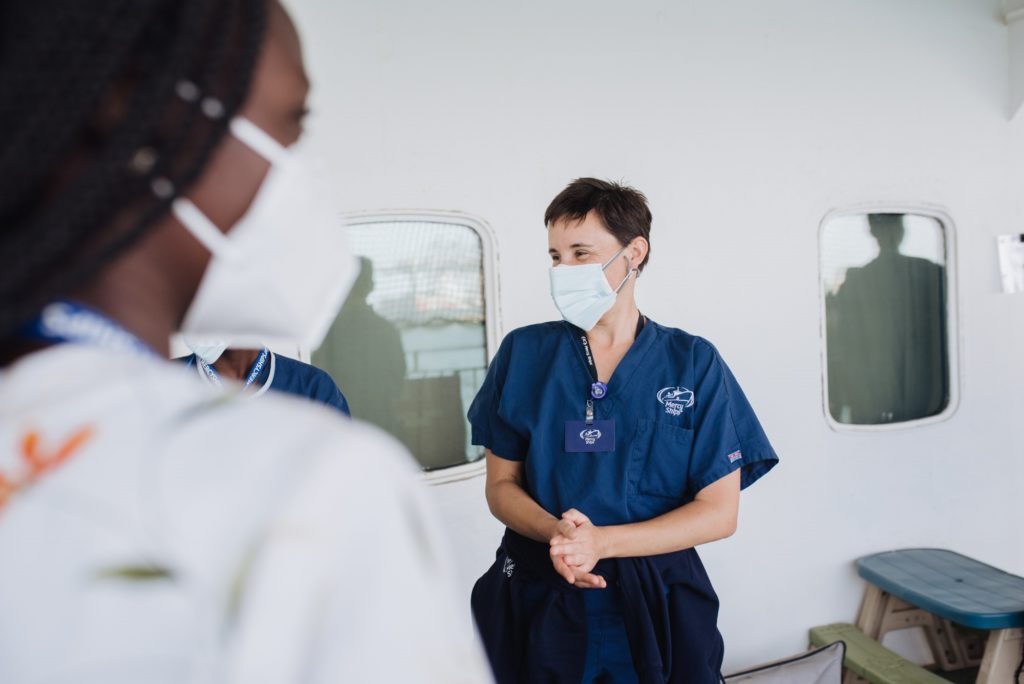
x=943, y=592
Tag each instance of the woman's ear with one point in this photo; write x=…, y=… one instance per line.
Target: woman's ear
x=637, y=251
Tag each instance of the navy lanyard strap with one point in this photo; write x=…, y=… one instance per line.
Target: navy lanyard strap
x=254, y=372
x=67, y=321
x=598, y=389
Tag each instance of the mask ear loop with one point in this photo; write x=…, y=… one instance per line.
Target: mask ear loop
x=258, y=140
x=202, y=228
x=615, y=256
x=195, y=220
x=628, y=274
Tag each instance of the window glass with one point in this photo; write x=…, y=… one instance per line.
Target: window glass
x=885, y=284
x=408, y=349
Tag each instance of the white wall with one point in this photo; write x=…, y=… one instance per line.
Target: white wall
x=744, y=122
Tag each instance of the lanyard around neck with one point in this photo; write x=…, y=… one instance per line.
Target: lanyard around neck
x=70, y=322
x=598, y=389
x=207, y=370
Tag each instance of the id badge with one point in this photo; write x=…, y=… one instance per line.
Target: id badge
x=580, y=437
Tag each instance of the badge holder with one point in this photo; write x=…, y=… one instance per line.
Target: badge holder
x=586, y=436
x=589, y=435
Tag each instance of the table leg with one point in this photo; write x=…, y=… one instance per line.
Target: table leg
x=947, y=650
x=872, y=611
x=1002, y=656
x=881, y=613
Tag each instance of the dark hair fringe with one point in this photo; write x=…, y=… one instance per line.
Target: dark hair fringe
x=621, y=208
x=83, y=87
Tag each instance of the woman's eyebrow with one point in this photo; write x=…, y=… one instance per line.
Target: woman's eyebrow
x=575, y=245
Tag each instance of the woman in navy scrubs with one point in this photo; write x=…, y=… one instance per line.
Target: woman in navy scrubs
x=259, y=370
x=614, y=447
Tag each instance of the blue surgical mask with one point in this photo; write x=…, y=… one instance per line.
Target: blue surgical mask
x=582, y=293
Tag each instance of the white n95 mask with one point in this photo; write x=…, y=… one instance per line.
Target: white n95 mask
x=282, y=272
x=582, y=293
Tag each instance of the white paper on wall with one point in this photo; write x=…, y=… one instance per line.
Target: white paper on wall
x=1011, y=262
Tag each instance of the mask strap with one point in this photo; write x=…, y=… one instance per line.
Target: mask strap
x=202, y=228
x=614, y=257
x=630, y=272
x=192, y=217
x=623, y=283
x=258, y=140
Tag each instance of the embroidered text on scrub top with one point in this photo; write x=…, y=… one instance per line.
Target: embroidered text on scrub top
x=675, y=399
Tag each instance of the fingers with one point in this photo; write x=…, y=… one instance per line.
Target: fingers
x=564, y=570
x=565, y=528
x=587, y=580
x=576, y=556
x=576, y=576
x=574, y=560
x=567, y=547
x=575, y=517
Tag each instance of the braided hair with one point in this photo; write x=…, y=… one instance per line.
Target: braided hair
x=109, y=109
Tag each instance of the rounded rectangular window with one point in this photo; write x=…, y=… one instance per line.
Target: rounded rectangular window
x=885, y=280
x=409, y=347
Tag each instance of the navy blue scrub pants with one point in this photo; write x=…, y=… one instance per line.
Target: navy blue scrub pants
x=609, y=659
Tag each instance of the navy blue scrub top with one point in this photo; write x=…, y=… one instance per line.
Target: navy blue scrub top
x=681, y=422
x=298, y=378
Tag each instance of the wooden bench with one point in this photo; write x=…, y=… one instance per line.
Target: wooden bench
x=870, y=660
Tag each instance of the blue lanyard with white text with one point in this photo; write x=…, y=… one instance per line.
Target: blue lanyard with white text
x=598, y=389
x=66, y=321
x=254, y=372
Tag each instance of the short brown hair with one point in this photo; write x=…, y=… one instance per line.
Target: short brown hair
x=622, y=209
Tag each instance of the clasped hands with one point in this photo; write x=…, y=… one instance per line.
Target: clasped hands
x=576, y=547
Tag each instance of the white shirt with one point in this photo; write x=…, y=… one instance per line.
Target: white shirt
x=189, y=535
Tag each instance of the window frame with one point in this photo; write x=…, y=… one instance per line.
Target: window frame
x=952, y=312
x=491, y=296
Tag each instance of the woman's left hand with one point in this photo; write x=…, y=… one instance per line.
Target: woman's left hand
x=583, y=550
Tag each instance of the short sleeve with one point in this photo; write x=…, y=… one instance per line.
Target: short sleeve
x=490, y=430
x=727, y=434
x=326, y=391
x=338, y=401
x=333, y=397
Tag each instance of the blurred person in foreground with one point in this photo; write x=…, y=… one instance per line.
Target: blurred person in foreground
x=153, y=529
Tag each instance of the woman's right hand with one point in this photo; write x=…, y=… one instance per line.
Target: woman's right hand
x=509, y=502
x=573, y=575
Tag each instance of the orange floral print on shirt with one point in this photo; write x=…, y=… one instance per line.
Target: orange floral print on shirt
x=37, y=460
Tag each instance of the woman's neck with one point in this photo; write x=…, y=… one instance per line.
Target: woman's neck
x=151, y=324
x=139, y=298
x=236, y=363
x=618, y=326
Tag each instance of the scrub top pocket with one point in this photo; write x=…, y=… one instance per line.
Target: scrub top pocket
x=661, y=453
